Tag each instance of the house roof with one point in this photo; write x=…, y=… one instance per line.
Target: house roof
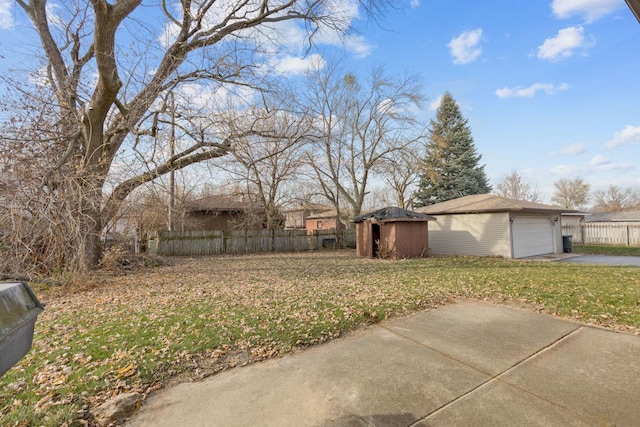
x=486, y=203
x=634, y=5
x=577, y=213
x=217, y=203
x=614, y=216
x=310, y=207
x=331, y=213
x=393, y=214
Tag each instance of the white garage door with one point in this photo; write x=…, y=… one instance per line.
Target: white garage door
x=532, y=236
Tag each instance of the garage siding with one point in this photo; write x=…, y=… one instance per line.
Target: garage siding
x=471, y=234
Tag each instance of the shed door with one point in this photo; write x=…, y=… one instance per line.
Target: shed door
x=532, y=236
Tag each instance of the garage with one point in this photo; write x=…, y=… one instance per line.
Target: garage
x=489, y=225
x=532, y=236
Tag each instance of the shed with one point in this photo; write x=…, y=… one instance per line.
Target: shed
x=489, y=225
x=392, y=233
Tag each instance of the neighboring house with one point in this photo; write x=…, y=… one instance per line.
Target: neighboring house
x=392, y=233
x=327, y=220
x=623, y=216
x=607, y=228
x=295, y=219
x=574, y=218
x=215, y=213
x=488, y=225
x=123, y=225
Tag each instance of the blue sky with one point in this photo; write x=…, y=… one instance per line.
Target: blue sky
x=550, y=87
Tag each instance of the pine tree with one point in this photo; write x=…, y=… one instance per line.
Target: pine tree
x=451, y=167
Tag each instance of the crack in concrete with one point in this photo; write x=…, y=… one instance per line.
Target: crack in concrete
x=492, y=377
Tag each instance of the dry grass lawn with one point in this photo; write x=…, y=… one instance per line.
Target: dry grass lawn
x=113, y=333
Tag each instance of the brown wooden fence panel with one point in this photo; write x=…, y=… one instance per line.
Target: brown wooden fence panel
x=617, y=233
x=199, y=243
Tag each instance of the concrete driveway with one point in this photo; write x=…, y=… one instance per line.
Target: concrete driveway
x=604, y=259
x=471, y=364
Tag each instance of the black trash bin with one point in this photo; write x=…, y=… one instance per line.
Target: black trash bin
x=19, y=309
x=566, y=243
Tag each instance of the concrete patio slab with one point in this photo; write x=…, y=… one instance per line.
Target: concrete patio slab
x=592, y=372
x=490, y=338
x=335, y=384
x=469, y=363
x=498, y=404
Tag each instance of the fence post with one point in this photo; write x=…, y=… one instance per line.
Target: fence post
x=628, y=237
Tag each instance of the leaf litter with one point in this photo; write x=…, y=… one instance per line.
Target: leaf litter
x=111, y=334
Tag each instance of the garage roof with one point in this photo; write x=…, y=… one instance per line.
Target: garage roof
x=485, y=203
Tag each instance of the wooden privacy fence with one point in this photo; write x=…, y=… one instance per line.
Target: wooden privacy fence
x=194, y=243
x=619, y=233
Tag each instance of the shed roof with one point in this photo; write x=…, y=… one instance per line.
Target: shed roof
x=486, y=203
x=614, y=216
x=393, y=214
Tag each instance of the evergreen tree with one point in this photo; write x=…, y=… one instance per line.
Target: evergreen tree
x=451, y=167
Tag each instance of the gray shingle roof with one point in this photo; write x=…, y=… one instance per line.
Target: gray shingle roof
x=393, y=214
x=216, y=203
x=484, y=203
x=614, y=216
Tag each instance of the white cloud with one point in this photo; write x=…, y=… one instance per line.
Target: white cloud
x=433, y=106
x=415, y=3
x=345, y=11
x=566, y=170
x=287, y=37
x=288, y=64
x=564, y=44
x=590, y=10
x=465, y=48
x=628, y=135
x=614, y=167
x=601, y=163
x=215, y=97
x=574, y=149
x=529, y=92
x=598, y=164
x=39, y=77
x=6, y=19
x=599, y=160
x=358, y=45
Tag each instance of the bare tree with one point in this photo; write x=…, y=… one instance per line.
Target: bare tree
x=359, y=124
x=100, y=88
x=571, y=193
x=514, y=186
x=401, y=172
x=265, y=165
x=615, y=199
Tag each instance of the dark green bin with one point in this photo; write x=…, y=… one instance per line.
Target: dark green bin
x=19, y=309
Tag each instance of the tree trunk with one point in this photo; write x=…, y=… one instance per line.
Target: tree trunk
x=91, y=249
x=90, y=219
